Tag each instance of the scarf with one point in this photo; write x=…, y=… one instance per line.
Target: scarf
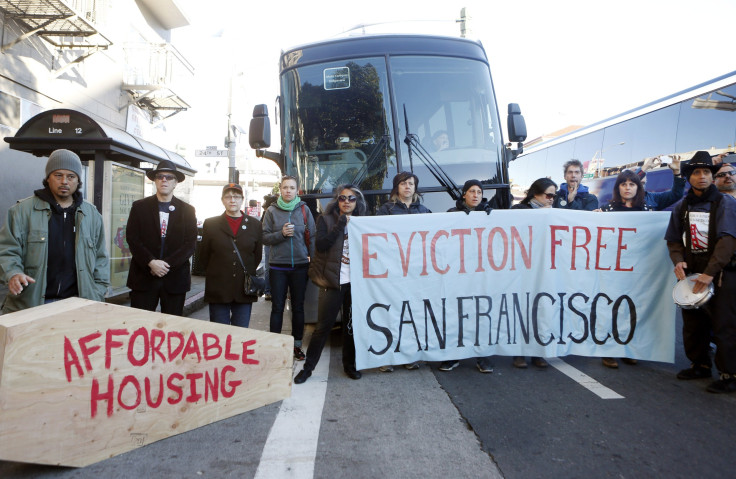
x=536, y=204
x=290, y=205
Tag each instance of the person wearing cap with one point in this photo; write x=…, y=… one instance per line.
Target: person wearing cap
x=701, y=239
x=471, y=200
x=52, y=245
x=403, y=200
x=724, y=179
x=224, y=275
x=161, y=234
x=572, y=195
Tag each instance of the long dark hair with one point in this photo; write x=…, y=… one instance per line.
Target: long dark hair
x=360, y=206
x=538, y=187
x=638, y=200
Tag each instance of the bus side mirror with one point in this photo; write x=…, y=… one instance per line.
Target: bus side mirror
x=516, y=124
x=259, y=132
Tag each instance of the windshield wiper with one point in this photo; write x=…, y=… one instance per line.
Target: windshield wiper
x=415, y=146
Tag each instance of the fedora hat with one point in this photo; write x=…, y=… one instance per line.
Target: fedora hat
x=165, y=166
x=701, y=159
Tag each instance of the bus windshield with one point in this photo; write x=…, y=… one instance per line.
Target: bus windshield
x=449, y=105
x=339, y=125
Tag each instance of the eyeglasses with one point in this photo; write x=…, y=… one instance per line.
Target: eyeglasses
x=725, y=174
x=232, y=197
x=165, y=177
x=549, y=195
x=351, y=198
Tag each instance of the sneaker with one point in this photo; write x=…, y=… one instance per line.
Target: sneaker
x=449, y=365
x=519, y=362
x=412, y=366
x=353, y=373
x=540, y=362
x=302, y=376
x=267, y=296
x=727, y=384
x=298, y=354
x=386, y=369
x=484, y=365
x=610, y=363
x=695, y=372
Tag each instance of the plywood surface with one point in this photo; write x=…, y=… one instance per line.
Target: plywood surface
x=82, y=381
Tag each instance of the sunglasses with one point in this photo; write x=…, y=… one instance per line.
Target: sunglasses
x=549, y=195
x=725, y=174
x=165, y=177
x=351, y=198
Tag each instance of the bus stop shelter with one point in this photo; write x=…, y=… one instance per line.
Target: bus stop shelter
x=113, y=177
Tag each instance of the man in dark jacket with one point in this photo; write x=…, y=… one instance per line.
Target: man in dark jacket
x=161, y=233
x=52, y=246
x=572, y=195
x=701, y=239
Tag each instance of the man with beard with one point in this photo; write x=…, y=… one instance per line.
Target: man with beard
x=701, y=238
x=52, y=245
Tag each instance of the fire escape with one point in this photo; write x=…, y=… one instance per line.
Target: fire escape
x=70, y=24
x=155, y=76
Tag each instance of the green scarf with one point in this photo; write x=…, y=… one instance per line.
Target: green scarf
x=290, y=205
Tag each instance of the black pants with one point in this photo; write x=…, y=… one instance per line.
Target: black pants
x=330, y=302
x=718, y=316
x=148, y=300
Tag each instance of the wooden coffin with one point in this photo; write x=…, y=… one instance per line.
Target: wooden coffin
x=81, y=381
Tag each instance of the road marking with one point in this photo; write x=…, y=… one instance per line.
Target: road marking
x=291, y=447
x=584, y=380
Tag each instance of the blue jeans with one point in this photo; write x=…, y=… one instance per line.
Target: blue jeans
x=295, y=282
x=220, y=313
x=266, y=269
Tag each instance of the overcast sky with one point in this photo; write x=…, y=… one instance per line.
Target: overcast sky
x=564, y=61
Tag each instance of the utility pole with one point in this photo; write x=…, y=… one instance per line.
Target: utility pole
x=464, y=22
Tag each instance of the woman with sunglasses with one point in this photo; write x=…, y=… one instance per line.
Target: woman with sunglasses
x=541, y=194
x=330, y=271
x=288, y=228
x=224, y=275
x=628, y=195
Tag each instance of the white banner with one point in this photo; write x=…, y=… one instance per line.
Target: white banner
x=548, y=283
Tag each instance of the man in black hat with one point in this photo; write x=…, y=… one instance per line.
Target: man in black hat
x=161, y=233
x=52, y=246
x=701, y=238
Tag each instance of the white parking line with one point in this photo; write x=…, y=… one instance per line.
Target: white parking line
x=584, y=380
x=291, y=446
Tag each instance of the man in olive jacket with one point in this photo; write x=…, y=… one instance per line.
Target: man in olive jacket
x=52, y=245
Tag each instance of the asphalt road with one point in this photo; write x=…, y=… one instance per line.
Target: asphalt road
x=426, y=423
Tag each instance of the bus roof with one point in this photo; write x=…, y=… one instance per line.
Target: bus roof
x=692, y=92
x=379, y=45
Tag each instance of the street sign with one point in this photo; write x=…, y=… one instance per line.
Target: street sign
x=209, y=152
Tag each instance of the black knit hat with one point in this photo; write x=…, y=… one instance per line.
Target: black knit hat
x=701, y=159
x=470, y=183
